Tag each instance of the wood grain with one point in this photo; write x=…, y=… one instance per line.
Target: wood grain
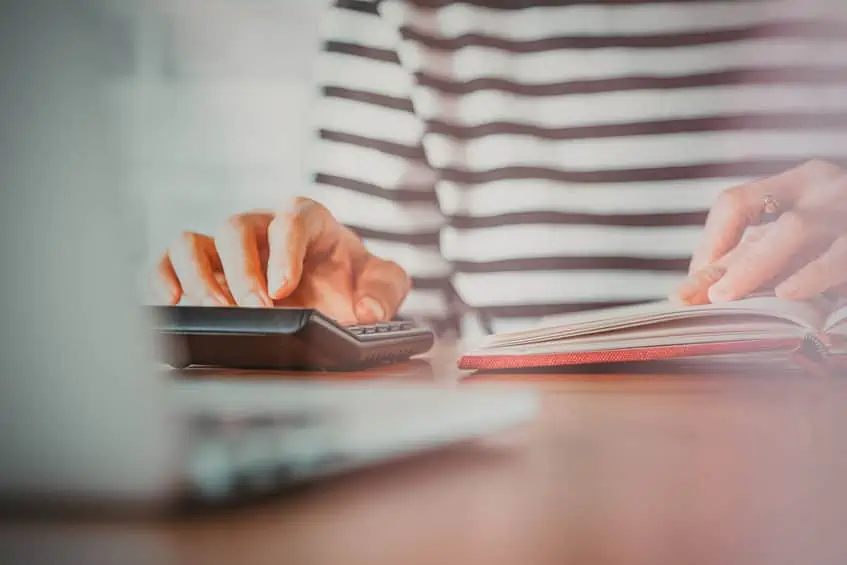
x=636, y=467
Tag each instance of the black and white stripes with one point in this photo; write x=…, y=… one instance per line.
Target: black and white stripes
x=371, y=168
x=550, y=156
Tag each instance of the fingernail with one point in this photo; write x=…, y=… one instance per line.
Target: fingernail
x=274, y=276
x=698, y=282
x=688, y=288
x=283, y=282
x=254, y=300
x=165, y=295
x=370, y=306
x=211, y=300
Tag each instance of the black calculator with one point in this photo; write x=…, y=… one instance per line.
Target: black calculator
x=280, y=338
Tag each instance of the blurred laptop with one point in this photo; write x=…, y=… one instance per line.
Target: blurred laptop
x=85, y=414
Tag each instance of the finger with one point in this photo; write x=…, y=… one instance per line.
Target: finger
x=165, y=282
x=694, y=290
x=193, y=257
x=764, y=259
x=381, y=287
x=738, y=208
x=303, y=226
x=237, y=244
x=827, y=271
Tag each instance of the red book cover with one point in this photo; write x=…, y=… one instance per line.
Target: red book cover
x=529, y=361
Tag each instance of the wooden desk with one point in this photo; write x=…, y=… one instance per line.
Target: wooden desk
x=619, y=468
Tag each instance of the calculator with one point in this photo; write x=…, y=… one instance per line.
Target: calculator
x=280, y=338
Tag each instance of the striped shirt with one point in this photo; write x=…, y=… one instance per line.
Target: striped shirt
x=522, y=159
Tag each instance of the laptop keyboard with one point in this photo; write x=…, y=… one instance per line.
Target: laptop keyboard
x=239, y=458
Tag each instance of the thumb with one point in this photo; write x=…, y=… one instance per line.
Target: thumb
x=381, y=287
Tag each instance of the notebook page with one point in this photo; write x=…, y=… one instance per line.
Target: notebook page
x=679, y=332
x=837, y=320
x=580, y=345
x=806, y=315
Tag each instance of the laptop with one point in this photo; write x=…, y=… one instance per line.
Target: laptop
x=87, y=415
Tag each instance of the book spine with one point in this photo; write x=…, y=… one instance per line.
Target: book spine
x=813, y=353
x=815, y=347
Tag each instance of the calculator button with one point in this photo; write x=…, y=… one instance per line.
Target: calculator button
x=369, y=330
x=381, y=328
x=356, y=330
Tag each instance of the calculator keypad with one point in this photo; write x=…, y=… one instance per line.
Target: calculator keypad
x=382, y=328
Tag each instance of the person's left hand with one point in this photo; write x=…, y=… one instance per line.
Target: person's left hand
x=800, y=254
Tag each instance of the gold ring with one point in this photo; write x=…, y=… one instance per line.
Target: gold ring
x=770, y=208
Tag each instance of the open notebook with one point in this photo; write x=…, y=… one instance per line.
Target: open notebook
x=817, y=330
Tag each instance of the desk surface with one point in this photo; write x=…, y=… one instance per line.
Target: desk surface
x=635, y=468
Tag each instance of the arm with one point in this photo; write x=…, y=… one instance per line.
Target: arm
x=369, y=168
x=368, y=165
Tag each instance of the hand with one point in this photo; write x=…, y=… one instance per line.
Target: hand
x=801, y=254
x=300, y=256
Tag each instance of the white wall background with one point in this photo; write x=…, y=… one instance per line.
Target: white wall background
x=217, y=96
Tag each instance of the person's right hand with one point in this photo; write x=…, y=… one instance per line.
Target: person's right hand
x=299, y=256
